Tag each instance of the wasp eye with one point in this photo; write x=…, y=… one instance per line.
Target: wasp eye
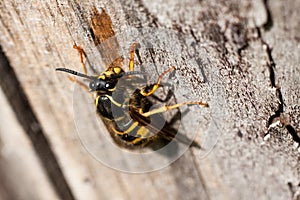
x=110, y=84
x=95, y=85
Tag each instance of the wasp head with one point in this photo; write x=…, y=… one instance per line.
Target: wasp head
x=101, y=85
x=104, y=83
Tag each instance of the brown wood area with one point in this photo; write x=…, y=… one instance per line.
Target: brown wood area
x=241, y=57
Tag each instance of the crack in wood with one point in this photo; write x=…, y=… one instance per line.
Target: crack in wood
x=153, y=19
x=144, y=14
x=271, y=66
x=295, y=194
x=269, y=22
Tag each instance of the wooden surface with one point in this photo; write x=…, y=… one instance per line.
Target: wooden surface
x=242, y=57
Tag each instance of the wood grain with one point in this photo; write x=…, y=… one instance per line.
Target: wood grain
x=239, y=56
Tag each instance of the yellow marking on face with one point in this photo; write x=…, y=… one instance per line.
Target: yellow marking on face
x=102, y=77
x=117, y=70
x=108, y=73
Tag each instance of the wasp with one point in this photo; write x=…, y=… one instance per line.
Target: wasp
x=125, y=103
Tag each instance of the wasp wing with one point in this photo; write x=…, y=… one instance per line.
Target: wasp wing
x=166, y=132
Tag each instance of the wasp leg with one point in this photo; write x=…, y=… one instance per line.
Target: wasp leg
x=81, y=84
x=157, y=84
x=166, y=108
x=81, y=54
x=131, y=61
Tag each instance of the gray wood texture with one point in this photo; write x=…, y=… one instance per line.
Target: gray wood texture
x=242, y=57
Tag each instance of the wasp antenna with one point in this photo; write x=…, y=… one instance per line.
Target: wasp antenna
x=74, y=73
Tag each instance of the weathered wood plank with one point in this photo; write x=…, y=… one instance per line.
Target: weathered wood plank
x=26, y=118
x=22, y=176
